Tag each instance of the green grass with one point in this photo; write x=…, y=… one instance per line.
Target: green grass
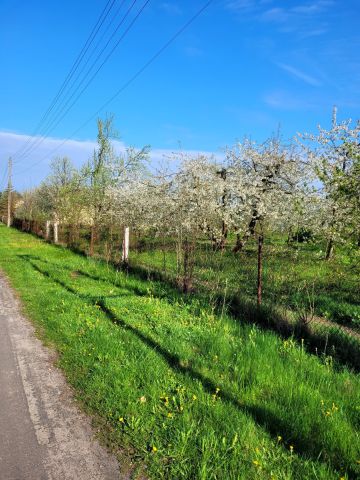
x=291, y=275
x=182, y=392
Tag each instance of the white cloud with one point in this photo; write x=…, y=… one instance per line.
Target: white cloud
x=242, y=7
x=283, y=100
x=171, y=8
x=31, y=170
x=302, y=20
x=300, y=75
x=11, y=142
x=276, y=14
x=298, y=12
x=316, y=32
x=240, y=4
x=312, y=8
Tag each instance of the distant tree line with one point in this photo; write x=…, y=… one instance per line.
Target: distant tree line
x=309, y=187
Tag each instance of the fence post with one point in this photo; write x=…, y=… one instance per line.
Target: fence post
x=260, y=268
x=56, y=232
x=125, y=245
x=47, y=230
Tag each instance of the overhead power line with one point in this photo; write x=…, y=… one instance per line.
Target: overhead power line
x=3, y=178
x=125, y=85
x=61, y=114
x=97, y=44
x=104, y=14
x=70, y=92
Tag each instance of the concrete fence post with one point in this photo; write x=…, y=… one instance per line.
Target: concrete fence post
x=125, y=245
x=56, y=232
x=47, y=229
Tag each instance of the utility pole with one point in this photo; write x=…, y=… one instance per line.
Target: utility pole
x=9, y=192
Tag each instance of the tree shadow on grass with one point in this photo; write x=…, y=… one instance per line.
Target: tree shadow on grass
x=326, y=341
x=262, y=416
x=327, y=338
x=333, y=341
x=79, y=272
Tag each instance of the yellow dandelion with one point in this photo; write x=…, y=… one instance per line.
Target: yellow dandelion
x=154, y=449
x=256, y=463
x=279, y=438
x=170, y=415
x=121, y=420
x=194, y=397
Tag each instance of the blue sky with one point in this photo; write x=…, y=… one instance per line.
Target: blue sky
x=243, y=68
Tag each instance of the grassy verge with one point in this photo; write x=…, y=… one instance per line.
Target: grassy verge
x=185, y=393
x=295, y=276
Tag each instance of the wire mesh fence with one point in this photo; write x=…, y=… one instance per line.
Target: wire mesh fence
x=227, y=283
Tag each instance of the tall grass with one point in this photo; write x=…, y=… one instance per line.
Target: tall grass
x=291, y=272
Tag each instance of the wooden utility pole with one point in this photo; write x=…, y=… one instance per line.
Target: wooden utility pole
x=9, y=192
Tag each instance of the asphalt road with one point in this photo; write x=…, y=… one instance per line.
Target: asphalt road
x=43, y=435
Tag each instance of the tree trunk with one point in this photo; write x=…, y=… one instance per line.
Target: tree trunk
x=76, y=233
x=290, y=235
x=164, y=253
x=224, y=232
x=329, y=249
x=188, y=266
x=92, y=240
x=240, y=242
x=224, y=235
x=239, y=245
x=260, y=268
x=68, y=236
x=109, y=244
x=72, y=235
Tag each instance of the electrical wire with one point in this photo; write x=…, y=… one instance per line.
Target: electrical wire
x=125, y=85
x=61, y=114
x=3, y=179
x=104, y=14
